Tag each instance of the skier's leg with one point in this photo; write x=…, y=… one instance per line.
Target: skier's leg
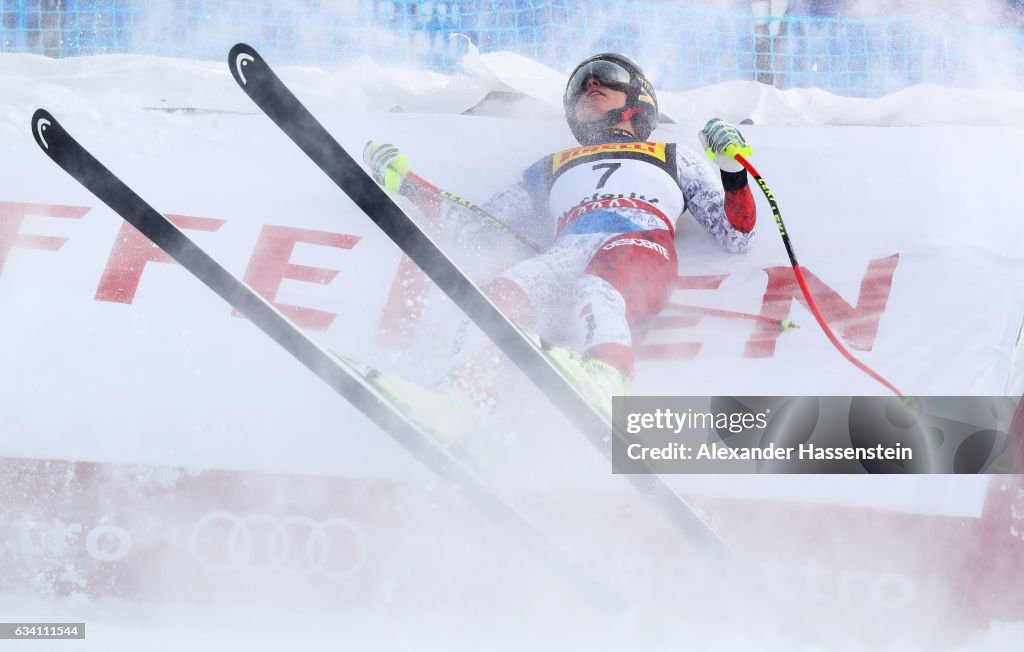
x=535, y=294
x=602, y=329
x=634, y=275
x=629, y=278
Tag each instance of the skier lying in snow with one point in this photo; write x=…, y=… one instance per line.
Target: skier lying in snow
x=607, y=213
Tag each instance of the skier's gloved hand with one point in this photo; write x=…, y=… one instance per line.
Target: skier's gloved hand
x=723, y=142
x=387, y=165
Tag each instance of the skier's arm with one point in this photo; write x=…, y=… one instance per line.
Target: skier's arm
x=512, y=209
x=522, y=207
x=728, y=211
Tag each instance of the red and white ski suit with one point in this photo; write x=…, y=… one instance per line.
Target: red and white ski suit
x=605, y=216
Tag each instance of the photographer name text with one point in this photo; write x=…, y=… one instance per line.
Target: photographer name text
x=716, y=451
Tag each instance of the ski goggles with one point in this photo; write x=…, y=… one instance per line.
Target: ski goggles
x=611, y=75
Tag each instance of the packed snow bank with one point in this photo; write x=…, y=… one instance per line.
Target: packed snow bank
x=526, y=90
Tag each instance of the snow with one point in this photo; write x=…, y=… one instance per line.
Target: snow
x=173, y=379
x=120, y=625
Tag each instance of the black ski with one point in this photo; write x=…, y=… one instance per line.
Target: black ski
x=267, y=90
x=343, y=377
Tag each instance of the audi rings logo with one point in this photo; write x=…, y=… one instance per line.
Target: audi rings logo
x=222, y=542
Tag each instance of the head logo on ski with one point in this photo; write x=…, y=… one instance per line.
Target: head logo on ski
x=242, y=59
x=42, y=122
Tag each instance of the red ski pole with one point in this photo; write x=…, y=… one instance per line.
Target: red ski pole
x=803, y=283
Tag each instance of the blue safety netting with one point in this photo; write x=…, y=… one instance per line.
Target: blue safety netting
x=681, y=46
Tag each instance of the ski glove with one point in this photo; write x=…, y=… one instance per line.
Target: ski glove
x=723, y=142
x=387, y=165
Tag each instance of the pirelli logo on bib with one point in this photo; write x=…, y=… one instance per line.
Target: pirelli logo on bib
x=654, y=150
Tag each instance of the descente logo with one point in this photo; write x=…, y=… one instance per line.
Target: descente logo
x=637, y=242
x=656, y=150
